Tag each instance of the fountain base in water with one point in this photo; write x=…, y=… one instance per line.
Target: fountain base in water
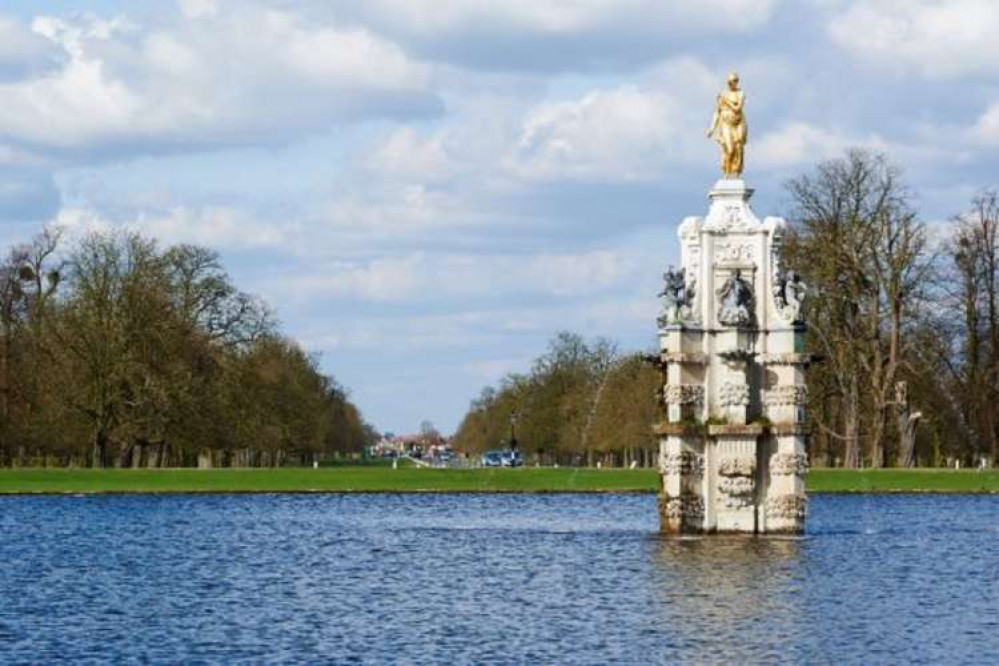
x=732, y=438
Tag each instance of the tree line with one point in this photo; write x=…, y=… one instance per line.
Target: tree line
x=117, y=352
x=581, y=403
x=903, y=321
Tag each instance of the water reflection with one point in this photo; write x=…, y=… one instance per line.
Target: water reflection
x=716, y=590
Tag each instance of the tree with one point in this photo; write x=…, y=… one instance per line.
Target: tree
x=153, y=357
x=858, y=243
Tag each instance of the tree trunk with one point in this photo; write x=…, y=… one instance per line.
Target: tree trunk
x=100, y=450
x=906, y=422
x=851, y=417
x=125, y=455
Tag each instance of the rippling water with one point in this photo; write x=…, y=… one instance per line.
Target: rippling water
x=470, y=579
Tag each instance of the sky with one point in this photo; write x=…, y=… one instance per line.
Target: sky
x=426, y=191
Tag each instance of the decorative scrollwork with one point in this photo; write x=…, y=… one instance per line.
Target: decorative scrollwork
x=741, y=466
x=787, y=507
x=787, y=464
x=683, y=463
x=786, y=396
x=733, y=395
x=734, y=253
x=683, y=394
x=736, y=491
x=688, y=508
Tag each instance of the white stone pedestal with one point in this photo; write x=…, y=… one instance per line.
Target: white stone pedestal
x=732, y=438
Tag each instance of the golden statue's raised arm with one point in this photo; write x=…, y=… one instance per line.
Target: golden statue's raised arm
x=728, y=127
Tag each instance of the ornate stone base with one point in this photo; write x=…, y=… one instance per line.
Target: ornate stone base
x=681, y=515
x=734, y=479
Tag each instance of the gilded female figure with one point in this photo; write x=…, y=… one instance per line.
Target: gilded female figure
x=728, y=127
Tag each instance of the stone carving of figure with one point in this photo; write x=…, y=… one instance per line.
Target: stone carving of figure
x=736, y=301
x=677, y=296
x=789, y=293
x=728, y=127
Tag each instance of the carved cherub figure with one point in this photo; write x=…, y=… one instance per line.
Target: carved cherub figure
x=789, y=294
x=677, y=296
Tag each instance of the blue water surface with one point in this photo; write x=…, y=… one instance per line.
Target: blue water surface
x=474, y=579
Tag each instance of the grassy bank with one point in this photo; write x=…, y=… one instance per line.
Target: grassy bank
x=376, y=479
x=902, y=481
x=344, y=479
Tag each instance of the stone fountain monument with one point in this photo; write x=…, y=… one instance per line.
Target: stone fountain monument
x=731, y=334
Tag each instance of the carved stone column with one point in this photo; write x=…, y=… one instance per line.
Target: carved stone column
x=681, y=464
x=786, y=504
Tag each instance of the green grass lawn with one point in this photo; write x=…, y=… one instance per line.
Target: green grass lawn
x=380, y=479
x=902, y=480
x=342, y=479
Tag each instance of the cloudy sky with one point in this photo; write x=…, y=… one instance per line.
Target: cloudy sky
x=426, y=190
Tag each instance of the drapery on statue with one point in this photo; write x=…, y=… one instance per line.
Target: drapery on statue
x=728, y=127
x=736, y=297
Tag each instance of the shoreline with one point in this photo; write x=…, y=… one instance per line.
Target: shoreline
x=376, y=480
x=434, y=491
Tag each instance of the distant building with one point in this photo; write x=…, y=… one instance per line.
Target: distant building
x=417, y=446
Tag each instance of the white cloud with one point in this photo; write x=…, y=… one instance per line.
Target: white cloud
x=939, y=38
x=608, y=133
x=987, y=127
x=800, y=143
x=558, y=16
x=623, y=133
x=493, y=369
x=441, y=277
x=195, y=9
x=253, y=76
x=212, y=226
x=408, y=153
x=553, y=35
x=23, y=52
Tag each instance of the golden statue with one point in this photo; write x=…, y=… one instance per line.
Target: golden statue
x=728, y=127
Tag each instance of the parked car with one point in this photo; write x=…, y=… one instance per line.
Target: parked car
x=512, y=459
x=492, y=459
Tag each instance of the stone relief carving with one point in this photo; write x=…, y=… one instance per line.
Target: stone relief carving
x=787, y=464
x=688, y=508
x=787, y=359
x=787, y=507
x=734, y=253
x=683, y=463
x=732, y=216
x=786, y=396
x=691, y=358
x=736, y=491
x=789, y=295
x=677, y=297
x=690, y=227
x=738, y=466
x=735, y=485
x=733, y=395
x=735, y=301
x=683, y=394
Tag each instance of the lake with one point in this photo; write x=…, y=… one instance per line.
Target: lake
x=472, y=579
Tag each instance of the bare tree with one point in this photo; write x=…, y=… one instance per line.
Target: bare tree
x=859, y=242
